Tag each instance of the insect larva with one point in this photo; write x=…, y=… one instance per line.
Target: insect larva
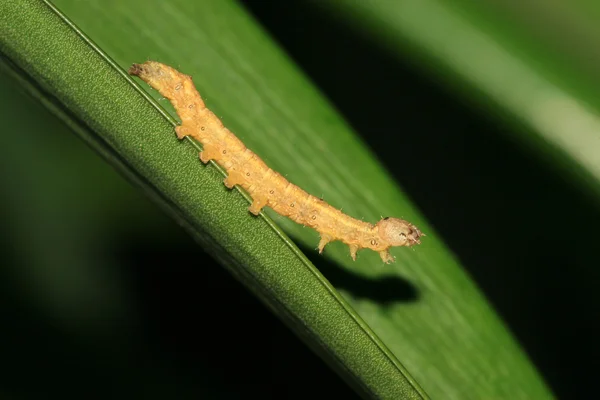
x=265, y=186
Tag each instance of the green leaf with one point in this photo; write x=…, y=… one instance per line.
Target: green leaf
x=486, y=52
x=446, y=340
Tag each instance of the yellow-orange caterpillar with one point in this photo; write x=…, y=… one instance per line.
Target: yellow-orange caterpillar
x=265, y=186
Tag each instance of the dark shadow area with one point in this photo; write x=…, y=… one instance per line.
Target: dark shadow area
x=200, y=333
x=202, y=322
x=525, y=233
x=386, y=290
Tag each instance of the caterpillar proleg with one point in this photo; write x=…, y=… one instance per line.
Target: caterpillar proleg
x=265, y=186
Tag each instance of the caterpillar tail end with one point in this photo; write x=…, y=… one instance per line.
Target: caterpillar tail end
x=150, y=70
x=135, y=69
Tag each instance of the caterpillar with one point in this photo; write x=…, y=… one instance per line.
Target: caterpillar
x=265, y=186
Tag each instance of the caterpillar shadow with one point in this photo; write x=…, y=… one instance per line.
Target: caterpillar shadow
x=385, y=291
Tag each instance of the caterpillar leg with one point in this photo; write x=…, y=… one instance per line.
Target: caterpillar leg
x=233, y=178
x=208, y=153
x=353, y=250
x=181, y=131
x=324, y=240
x=258, y=202
x=386, y=257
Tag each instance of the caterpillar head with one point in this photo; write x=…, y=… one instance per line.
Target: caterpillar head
x=398, y=232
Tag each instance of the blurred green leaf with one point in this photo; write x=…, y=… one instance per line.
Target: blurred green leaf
x=486, y=51
x=449, y=339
